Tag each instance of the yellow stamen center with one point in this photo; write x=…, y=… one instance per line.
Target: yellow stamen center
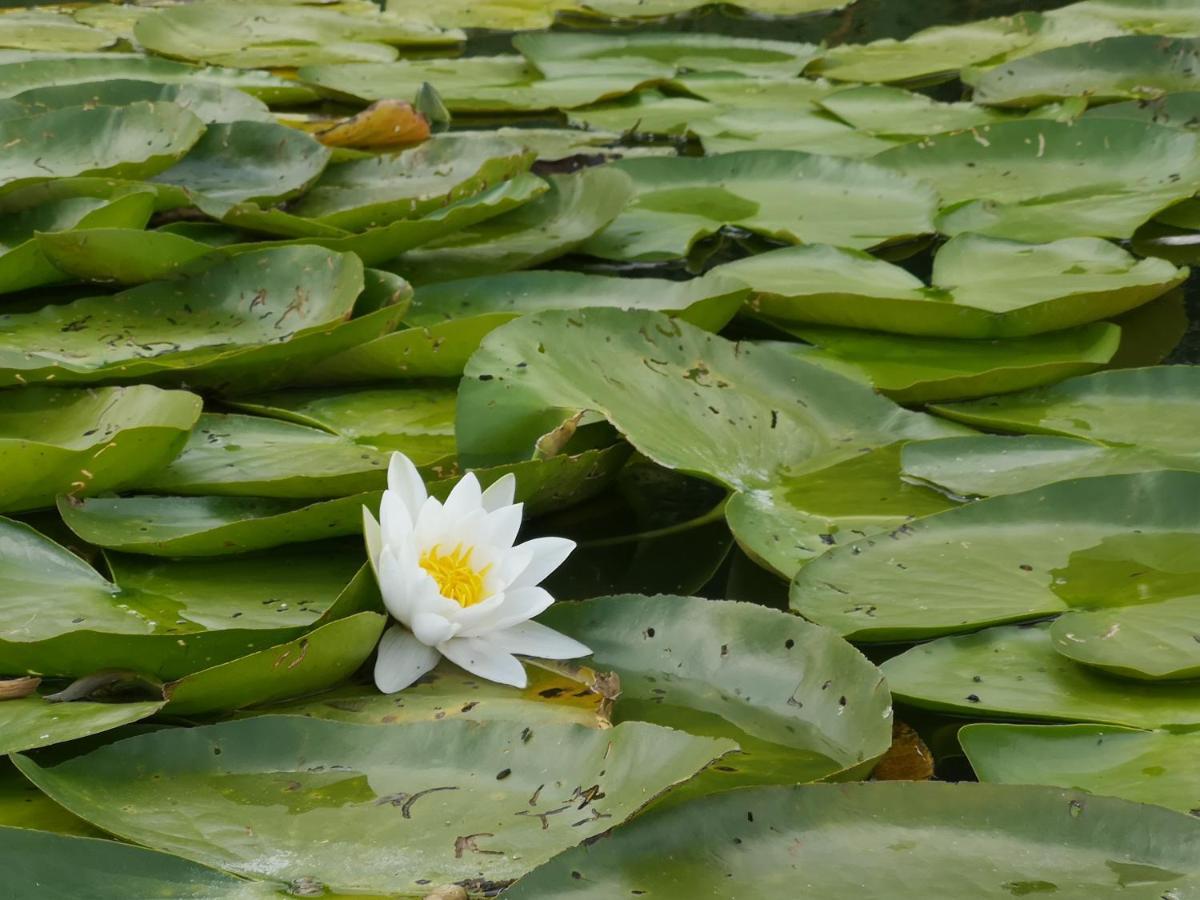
x=455, y=576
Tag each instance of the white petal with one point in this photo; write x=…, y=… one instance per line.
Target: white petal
x=485, y=660
x=393, y=585
x=520, y=604
x=548, y=554
x=500, y=492
x=535, y=639
x=432, y=629
x=401, y=660
x=395, y=521
x=429, y=523
x=501, y=526
x=405, y=481
x=465, y=497
x=373, y=540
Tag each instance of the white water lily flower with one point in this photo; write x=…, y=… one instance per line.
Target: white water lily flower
x=449, y=573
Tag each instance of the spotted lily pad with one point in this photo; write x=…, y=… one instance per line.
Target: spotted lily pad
x=1153, y=641
x=51, y=31
x=33, y=721
x=465, y=800
x=77, y=442
x=1083, y=543
x=1014, y=672
x=208, y=101
x=790, y=196
x=1143, y=766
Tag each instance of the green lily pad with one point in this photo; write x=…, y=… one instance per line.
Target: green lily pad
x=1083, y=543
x=1179, y=110
x=467, y=787
x=1014, y=672
x=884, y=110
x=928, y=369
x=416, y=420
x=832, y=840
x=789, y=196
x=1135, y=66
x=700, y=665
x=323, y=657
x=1143, y=766
x=450, y=693
x=165, y=619
x=475, y=84
x=451, y=318
x=1041, y=180
x=800, y=516
x=573, y=210
x=1154, y=642
x=266, y=35
x=677, y=393
x=210, y=526
x=251, y=456
x=209, y=102
x=367, y=193
x=1157, y=408
x=108, y=870
x=78, y=442
x=981, y=287
x=33, y=721
x=239, y=162
x=126, y=256
x=262, y=301
x=23, y=263
x=23, y=73
x=24, y=806
x=134, y=141
x=989, y=464
x=567, y=54
x=51, y=31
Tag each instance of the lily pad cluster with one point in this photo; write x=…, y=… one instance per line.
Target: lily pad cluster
x=853, y=346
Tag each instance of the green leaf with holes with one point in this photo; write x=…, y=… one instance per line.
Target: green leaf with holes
x=1014, y=672
x=1143, y=766
x=321, y=658
x=19, y=74
x=251, y=311
x=789, y=196
x=208, y=101
x=23, y=262
x=125, y=256
x=1085, y=543
x=874, y=839
x=973, y=291
x=465, y=800
x=135, y=141
x=250, y=456
x=109, y=870
x=802, y=704
x=79, y=442
x=572, y=211
x=33, y=721
x=1129, y=67
x=450, y=318
x=1179, y=110
x=274, y=35
x=1151, y=641
x=1156, y=408
x=784, y=525
x=1041, y=180
x=165, y=618
x=210, y=526
x=911, y=369
x=448, y=692
x=680, y=395
x=371, y=192
x=985, y=465
x=415, y=420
